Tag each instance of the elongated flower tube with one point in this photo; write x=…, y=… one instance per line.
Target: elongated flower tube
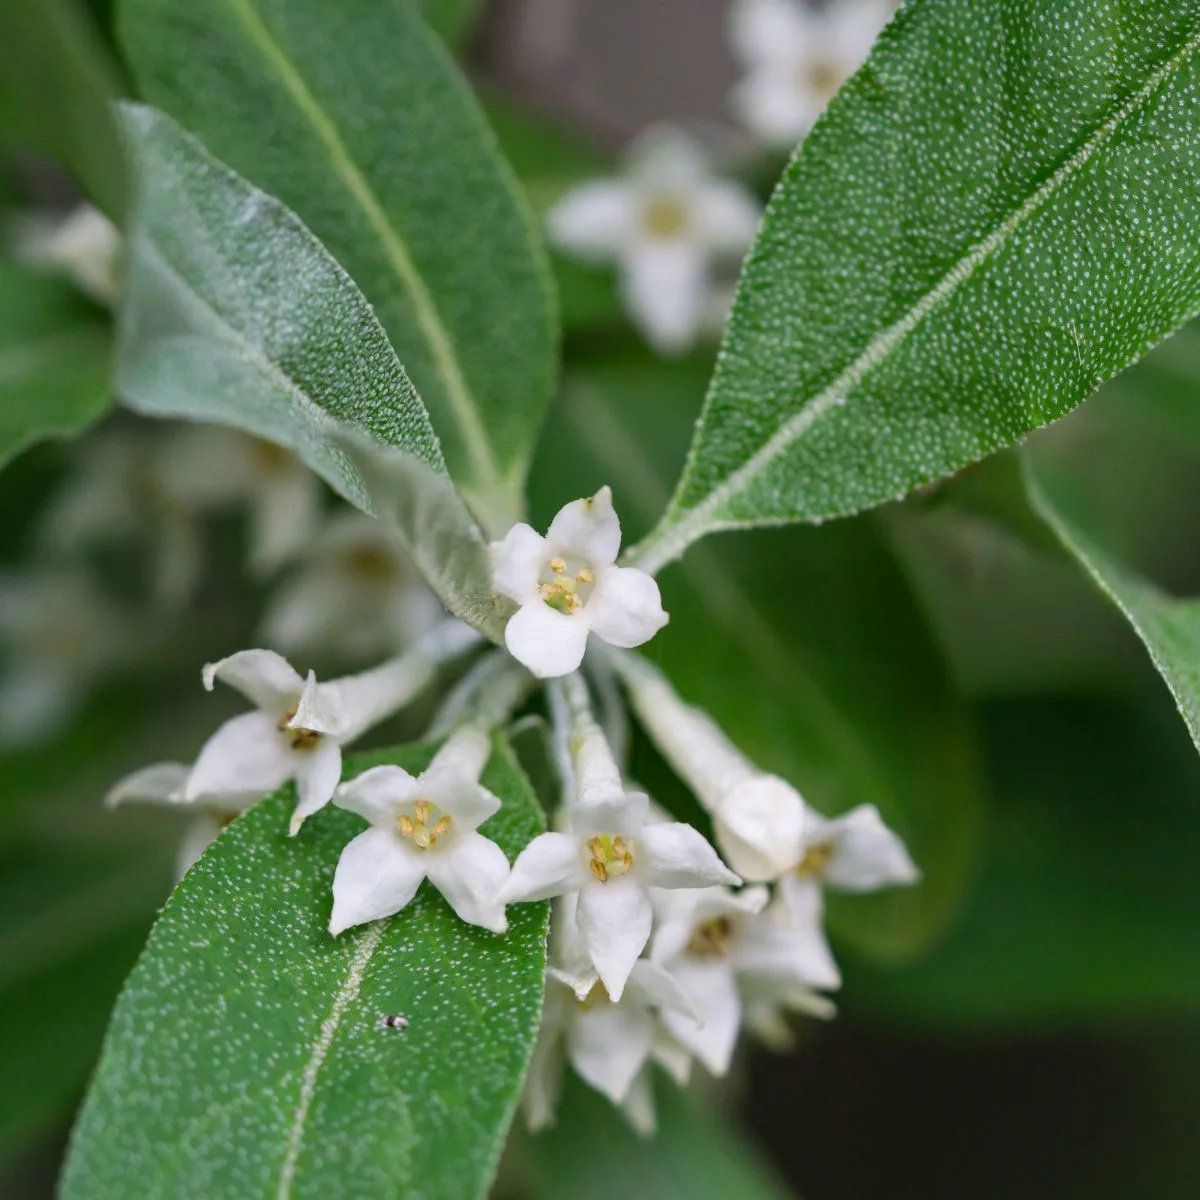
x=760, y=819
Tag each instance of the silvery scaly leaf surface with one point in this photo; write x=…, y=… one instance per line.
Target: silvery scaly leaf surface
x=54, y=360
x=247, y=1055
x=996, y=214
x=235, y=313
x=364, y=127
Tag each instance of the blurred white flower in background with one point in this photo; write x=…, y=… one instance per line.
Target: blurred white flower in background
x=58, y=635
x=353, y=594
x=665, y=224
x=84, y=246
x=796, y=57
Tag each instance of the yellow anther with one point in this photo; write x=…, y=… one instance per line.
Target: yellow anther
x=816, y=860
x=562, y=591
x=665, y=216
x=301, y=739
x=823, y=77
x=610, y=857
x=711, y=940
x=558, y=566
x=584, y=575
x=417, y=827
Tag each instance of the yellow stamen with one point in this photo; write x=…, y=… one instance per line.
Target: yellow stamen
x=610, y=857
x=417, y=828
x=815, y=862
x=562, y=592
x=665, y=217
x=301, y=739
x=711, y=940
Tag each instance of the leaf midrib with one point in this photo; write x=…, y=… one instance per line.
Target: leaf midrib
x=681, y=526
x=428, y=318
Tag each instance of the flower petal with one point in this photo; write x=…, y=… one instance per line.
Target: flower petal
x=771, y=31
x=665, y=286
x=626, y=607
x=470, y=875
x=593, y=220
x=678, y=856
x=517, y=562
x=549, y=643
x=377, y=794
x=653, y=987
x=318, y=770
x=638, y=1106
x=625, y=815
x=549, y=866
x=587, y=529
x=200, y=833
x=760, y=826
x=245, y=760
x=614, y=919
x=162, y=783
x=774, y=108
x=728, y=214
x=867, y=855
x=284, y=516
x=608, y=1045
x=264, y=677
x=788, y=941
x=711, y=988
x=376, y=876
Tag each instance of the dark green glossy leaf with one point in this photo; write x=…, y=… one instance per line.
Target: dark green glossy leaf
x=805, y=645
x=354, y=116
x=997, y=214
x=54, y=360
x=246, y=1058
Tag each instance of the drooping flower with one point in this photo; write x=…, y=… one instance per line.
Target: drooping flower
x=297, y=730
x=761, y=821
x=85, y=246
x=423, y=827
x=796, y=57
x=856, y=852
x=353, y=594
x=713, y=943
x=568, y=585
x=664, y=224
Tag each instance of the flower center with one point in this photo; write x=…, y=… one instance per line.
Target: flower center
x=821, y=77
x=610, y=857
x=425, y=825
x=301, y=739
x=815, y=861
x=711, y=940
x=664, y=217
x=373, y=566
x=566, y=586
x=270, y=458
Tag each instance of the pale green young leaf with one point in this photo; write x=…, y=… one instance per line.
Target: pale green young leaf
x=234, y=312
x=355, y=116
x=246, y=1055
x=996, y=214
x=56, y=81
x=55, y=352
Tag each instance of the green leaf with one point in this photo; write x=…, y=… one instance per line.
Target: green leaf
x=246, y=1057
x=805, y=645
x=1065, y=497
x=1086, y=902
x=694, y=1154
x=451, y=20
x=54, y=360
x=996, y=214
x=56, y=80
x=364, y=127
x=234, y=312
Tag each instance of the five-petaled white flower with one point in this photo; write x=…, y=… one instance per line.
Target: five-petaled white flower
x=760, y=820
x=664, y=224
x=711, y=942
x=422, y=828
x=797, y=57
x=568, y=585
x=611, y=857
x=856, y=852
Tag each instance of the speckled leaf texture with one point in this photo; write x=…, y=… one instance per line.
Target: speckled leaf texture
x=234, y=312
x=246, y=1058
x=355, y=116
x=997, y=213
x=54, y=360
x=1169, y=627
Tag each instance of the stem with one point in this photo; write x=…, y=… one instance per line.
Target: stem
x=485, y=697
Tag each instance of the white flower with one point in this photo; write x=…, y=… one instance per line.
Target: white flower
x=611, y=858
x=663, y=225
x=711, y=942
x=355, y=595
x=797, y=57
x=422, y=828
x=568, y=585
x=85, y=246
x=852, y=853
x=208, y=468
x=761, y=821
x=59, y=635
